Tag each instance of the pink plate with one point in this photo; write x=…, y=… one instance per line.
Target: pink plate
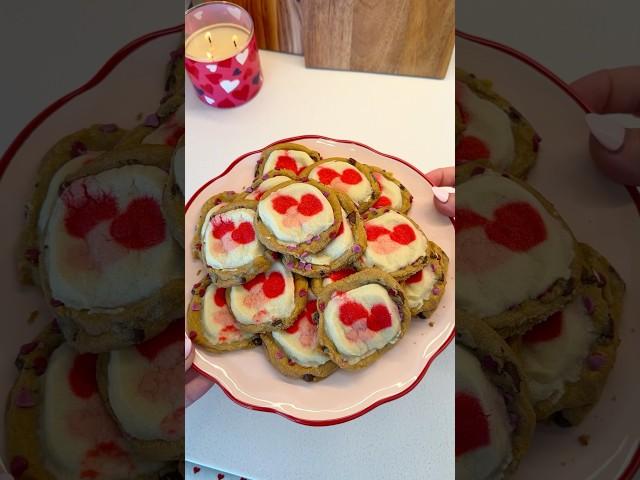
x=566, y=176
x=248, y=378
x=134, y=74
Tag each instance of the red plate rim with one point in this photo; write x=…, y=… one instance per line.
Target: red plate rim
x=634, y=465
x=336, y=421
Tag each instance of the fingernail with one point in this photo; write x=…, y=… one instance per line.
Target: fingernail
x=608, y=132
x=188, y=346
x=442, y=193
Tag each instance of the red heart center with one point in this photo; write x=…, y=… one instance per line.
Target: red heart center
x=403, y=234
x=378, y=319
x=471, y=148
x=472, y=427
x=340, y=274
x=85, y=210
x=241, y=234
x=140, y=226
x=350, y=176
x=308, y=206
x=82, y=376
x=272, y=285
x=415, y=278
x=220, y=297
x=286, y=162
x=306, y=314
x=545, y=331
x=517, y=226
x=382, y=202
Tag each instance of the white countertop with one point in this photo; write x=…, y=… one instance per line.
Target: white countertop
x=412, y=118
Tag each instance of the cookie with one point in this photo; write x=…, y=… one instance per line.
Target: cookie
x=174, y=83
x=211, y=206
x=295, y=351
x=518, y=261
x=142, y=388
x=393, y=194
x=347, y=245
x=270, y=301
x=173, y=194
x=298, y=218
x=425, y=288
x=494, y=418
x=362, y=316
x=568, y=357
x=110, y=269
x=63, y=159
x=348, y=176
x=164, y=128
x=57, y=426
x=490, y=130
x=285, y=157
x=210, y=322
x=318, y=284
x=230, y=249
x=269, y=180
x=395, y=244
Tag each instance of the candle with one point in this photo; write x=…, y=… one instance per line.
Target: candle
x=221, y=54
x=216, y=42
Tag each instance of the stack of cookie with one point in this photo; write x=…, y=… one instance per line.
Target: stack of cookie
x=100, y=391
x=537, y=312
x=317, y=260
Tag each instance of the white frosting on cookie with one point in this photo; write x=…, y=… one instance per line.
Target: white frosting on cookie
x=551, y=364
x=107, y=240
x=230, y=240
x=218, y=325
x=300, y=341
x=268, y=297
x=178, y=168
x=489, y=277
x=63, y=172
x=361, y=321
x=77, y=432
x=293, y=160
x=207, y=218
x=393, y=242
x=296, y=213
x=337, y=246
x=486, y=461
x=345, y=178
x=418, y=288
x=488, y=123
x=145, y=387
x=266, y=185
x=168, y=132
x=390, y=194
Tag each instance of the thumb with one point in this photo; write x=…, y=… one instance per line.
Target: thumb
x=615, y=149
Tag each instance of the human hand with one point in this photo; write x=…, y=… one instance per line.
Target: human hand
x=195, y=385
x=614, y=148
x=444, y=193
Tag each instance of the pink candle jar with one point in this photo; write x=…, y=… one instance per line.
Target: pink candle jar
x=221, y=54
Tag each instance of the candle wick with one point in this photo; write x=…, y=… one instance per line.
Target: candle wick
x=235, y=44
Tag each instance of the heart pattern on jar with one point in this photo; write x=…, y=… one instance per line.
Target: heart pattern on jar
x=349, y=176
x=140, y=226
x=378, y=318
x=517, y=225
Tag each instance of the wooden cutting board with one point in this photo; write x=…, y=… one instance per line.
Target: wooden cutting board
x=408, y=37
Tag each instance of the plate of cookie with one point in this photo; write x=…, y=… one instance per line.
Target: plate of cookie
x=319, y=284
x=92, y=365
x=545, y=319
